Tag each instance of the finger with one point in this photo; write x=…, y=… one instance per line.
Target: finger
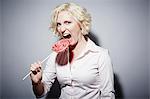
x=34, y=72
x=37, y=65
x=35, y=68
x=40, y=66
x=32, y=67
x=38, y=70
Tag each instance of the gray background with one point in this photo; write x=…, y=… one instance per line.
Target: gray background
x=0, y=46
x=149, y=45
x=118, y=25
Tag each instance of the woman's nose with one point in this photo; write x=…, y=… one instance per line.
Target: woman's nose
x=62, y=29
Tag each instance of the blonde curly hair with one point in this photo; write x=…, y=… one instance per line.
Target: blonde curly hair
x=78, y=12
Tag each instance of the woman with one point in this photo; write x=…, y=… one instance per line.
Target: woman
x=84, y=70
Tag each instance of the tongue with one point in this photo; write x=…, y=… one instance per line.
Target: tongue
x=61, y=45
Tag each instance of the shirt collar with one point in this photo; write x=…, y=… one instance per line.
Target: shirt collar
x=90, y=47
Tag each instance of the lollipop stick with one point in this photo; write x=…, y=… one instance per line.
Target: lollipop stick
x=26, y=75
x=31, y=71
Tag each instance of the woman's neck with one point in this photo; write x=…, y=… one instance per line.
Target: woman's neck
x=79, y=47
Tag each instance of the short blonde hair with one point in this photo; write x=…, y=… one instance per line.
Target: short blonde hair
x=80, y=14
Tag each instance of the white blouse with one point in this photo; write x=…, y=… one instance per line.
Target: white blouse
x=90, y=76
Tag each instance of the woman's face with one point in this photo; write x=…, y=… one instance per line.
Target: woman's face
x=68, y=27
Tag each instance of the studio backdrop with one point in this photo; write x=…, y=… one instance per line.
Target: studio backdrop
x=121, y=26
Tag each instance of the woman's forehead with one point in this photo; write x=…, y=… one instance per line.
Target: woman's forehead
x=65, y=15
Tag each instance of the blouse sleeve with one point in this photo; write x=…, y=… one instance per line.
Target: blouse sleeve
x=49, y=73
x=106, y=76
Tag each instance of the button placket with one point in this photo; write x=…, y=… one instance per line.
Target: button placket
x=71, y=78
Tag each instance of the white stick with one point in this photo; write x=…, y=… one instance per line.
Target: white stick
x=31, y=71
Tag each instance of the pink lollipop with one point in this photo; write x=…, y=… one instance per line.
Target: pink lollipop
x=61, y=45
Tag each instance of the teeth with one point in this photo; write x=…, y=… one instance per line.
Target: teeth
x=66, y=35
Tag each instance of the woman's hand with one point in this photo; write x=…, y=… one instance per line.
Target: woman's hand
x=36, y=75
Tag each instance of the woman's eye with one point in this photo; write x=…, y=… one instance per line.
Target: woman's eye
x=67, y=22
x=58, y=24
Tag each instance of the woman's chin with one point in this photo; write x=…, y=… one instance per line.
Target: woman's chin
x=72, y=43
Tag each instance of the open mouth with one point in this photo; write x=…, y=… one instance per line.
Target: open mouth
x=66, y=35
